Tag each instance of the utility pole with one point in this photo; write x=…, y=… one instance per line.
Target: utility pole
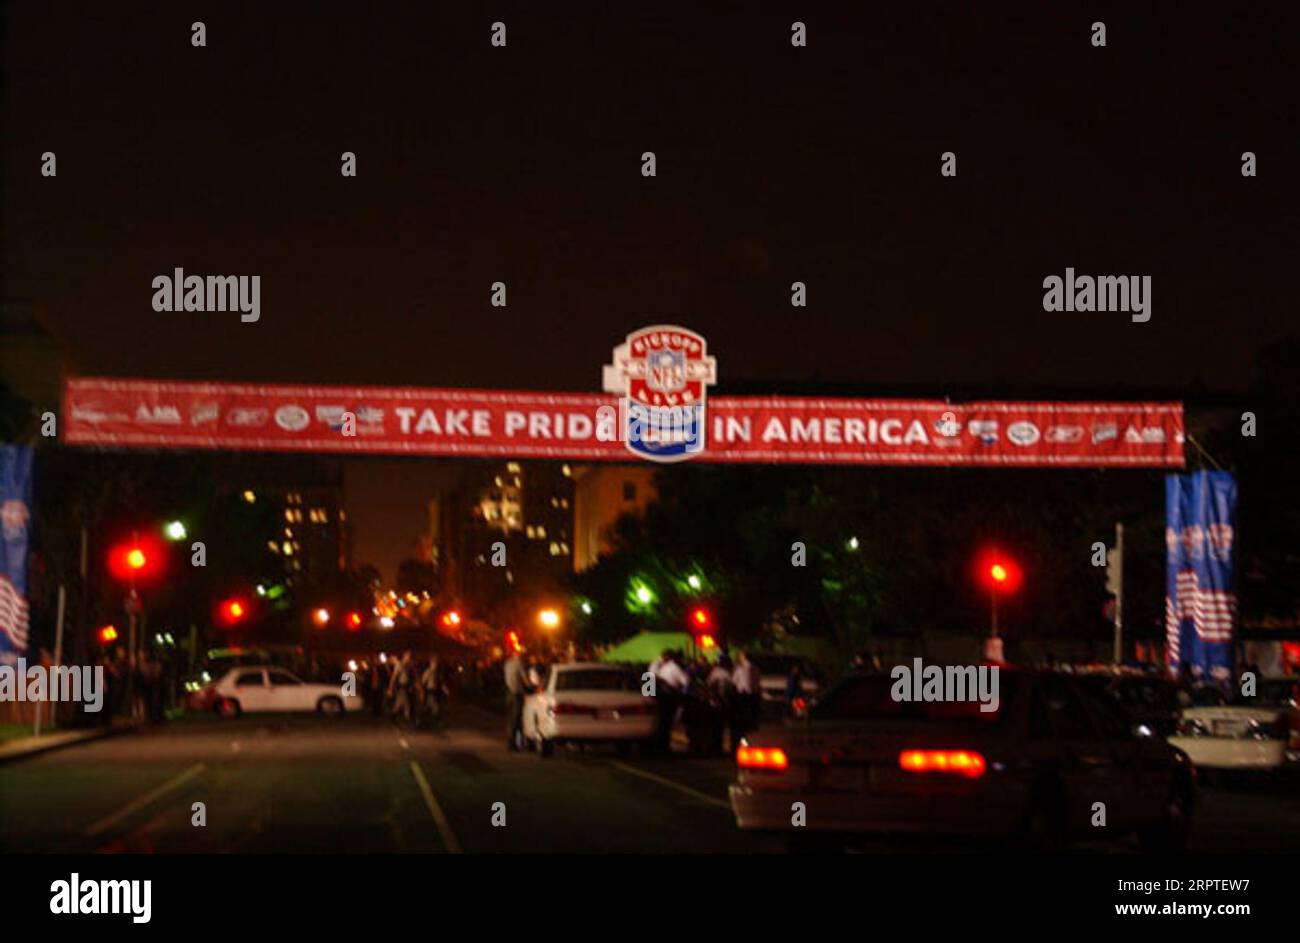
x=1115, y=584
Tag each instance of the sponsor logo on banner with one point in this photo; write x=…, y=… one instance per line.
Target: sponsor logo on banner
x=203, y=413
x=1104, y=432
x=1064, y=434
x=662, y=375
x=95, y=415
x=158, y=415
x=986, y=430
x=1023, y=433
x=292, y=418
x=331, y=416
x=1149, y=435
x=947, y=429
x=247, y=417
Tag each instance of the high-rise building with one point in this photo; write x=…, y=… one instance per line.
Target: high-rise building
x=603, y=494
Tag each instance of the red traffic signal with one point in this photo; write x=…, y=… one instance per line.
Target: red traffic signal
x=135, y=559
x=354, y=621
x=701, y=620
x=232, y=611
x=998, y=572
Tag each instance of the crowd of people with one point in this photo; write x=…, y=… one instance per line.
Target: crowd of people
x=413, y=692
x=716, y=703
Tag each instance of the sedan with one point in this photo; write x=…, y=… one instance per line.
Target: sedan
x=589, y=702
x=266, y=689
x=1032, y=770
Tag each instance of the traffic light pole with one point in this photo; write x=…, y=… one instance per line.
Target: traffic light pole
x=1118, y=655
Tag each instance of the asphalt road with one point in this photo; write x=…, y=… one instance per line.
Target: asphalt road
x=358, y=784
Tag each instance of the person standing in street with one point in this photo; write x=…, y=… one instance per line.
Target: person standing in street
x=749, y=695
x=671, y=684
x=515, y=673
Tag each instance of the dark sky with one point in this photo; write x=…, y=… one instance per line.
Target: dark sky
x=774, y=164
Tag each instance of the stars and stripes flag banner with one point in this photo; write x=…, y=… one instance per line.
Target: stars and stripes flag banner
x=1200, y=589
x=15, y=522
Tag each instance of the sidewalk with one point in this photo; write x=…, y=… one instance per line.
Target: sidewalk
x=23, y=747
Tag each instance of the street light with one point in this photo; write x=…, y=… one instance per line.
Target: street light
x=548, y=618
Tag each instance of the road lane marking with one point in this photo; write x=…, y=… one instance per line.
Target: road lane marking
x=148, y=798
x=671, y=784
x=440, y=820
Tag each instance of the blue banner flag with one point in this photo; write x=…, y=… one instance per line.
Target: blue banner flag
x=1200, y=589
x=15, y=525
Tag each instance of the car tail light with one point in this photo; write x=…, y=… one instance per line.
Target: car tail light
x=966, y=763
x=773, y=758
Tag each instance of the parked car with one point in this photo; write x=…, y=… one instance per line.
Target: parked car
x=1031, y=770
x=266, y=688
x=589, y=702
x=1259, y=733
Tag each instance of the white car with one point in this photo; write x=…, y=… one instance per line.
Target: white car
x=1258, y=733
x=265, y=688
x=589, y=702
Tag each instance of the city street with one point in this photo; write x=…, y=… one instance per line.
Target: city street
x=307, y=784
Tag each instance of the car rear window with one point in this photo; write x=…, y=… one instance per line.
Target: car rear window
x=869, y=697
x=597, y=679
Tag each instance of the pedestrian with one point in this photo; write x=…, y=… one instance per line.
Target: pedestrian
x=399, y=688
x=671, y=685
x=515, y=676
x=749, y=694
x=723, y=691
x=429, y=691
x=793, y=690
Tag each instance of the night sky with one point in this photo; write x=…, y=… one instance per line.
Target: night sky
x=775, y=164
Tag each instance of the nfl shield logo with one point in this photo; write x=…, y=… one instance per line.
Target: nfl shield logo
x=662, y=375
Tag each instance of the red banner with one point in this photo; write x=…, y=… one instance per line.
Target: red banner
x=502, y=423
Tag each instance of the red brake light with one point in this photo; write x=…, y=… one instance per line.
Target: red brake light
x=966, y=763
x=748, y=757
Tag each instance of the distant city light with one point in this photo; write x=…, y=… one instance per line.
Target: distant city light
x=548, y=618
x=853, y=543
x=175, y=530
x=321, y=617
x=586, y=607
x=250, y=497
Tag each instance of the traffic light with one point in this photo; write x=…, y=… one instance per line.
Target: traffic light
x=999, y=573
x=135, y=559
x=354, y=621
x=701, y=620
x=107, y=634
x=232, y=611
